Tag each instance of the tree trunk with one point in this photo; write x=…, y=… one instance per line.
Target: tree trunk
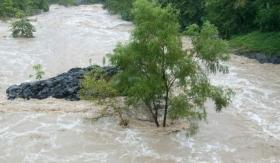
x=165, y=108
x=155, y=119
x=154, y=115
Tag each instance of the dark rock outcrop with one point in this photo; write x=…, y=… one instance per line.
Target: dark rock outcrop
x=263, y=58
x=65, y=85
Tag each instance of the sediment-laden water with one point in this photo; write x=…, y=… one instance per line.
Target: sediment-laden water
x=54, y=130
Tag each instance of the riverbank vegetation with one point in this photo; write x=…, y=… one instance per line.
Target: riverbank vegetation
x=256, y=20
x=256, y=41
x=11, y=8
x=121, y=7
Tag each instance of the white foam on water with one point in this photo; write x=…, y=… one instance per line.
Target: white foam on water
x=68, y=125
x=252, y=99
x=201, y=151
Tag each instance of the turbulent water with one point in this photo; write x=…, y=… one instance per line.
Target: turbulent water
x=55, y=130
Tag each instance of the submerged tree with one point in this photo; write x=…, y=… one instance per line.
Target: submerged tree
x=154, y=64
x=22, y=27
x=154, y=70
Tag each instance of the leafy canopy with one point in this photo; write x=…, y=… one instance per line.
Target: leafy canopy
x=96, y=87
x=10, y=8
x=121, y=7
x=22, y=27
x=156, y=71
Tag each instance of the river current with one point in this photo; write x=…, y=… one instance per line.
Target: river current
x=54, y=130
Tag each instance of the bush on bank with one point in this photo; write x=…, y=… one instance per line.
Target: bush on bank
x=260, y=42
x=11, y=8
x=253, y=24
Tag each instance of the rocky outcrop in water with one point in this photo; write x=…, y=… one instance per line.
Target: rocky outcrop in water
x=263, y=58
x=65, y=85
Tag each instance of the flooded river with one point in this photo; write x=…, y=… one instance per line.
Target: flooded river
x=54, y=130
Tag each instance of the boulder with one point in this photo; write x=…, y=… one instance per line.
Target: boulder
x=263, y=58
x=63, y=86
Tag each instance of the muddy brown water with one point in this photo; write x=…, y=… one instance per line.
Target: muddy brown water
x=54, y=130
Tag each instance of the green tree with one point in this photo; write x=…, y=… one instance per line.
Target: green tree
x=153, y=65
x=268, y=16
x=41, y=5
x=22, y=27
x=191, y=11
x=231, y=17
x=121, y=7
x=6, y=8
x=10, y=8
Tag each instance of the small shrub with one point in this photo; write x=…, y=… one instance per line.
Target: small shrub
x=23, y=28
x=39, y=73
x=96, y=87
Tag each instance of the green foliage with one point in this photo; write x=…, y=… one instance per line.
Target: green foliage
x=121, y=7
x=9, y=8
x=191, y=11
x=96, y=87
x=231, y=17
x=243, y=16
x=67, y=3
x=6, y=8
x=264, y=42
x=268, y=16
x=42, y=4
x=193, y=129
x=208, y=46
x=154, y=65
x=39, y=73
x=22, y=27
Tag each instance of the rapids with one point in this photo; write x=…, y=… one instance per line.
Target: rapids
x=54, y=130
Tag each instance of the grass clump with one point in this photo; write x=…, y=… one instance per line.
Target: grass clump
x=263, y=42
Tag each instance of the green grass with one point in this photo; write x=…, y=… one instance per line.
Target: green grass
x=263, y=42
